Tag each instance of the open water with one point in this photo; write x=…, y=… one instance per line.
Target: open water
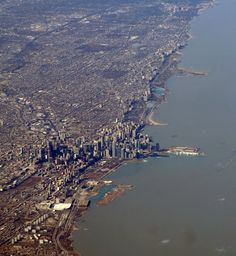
x=181, y=206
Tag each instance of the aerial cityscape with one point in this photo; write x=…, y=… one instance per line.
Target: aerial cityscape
x=79, y=83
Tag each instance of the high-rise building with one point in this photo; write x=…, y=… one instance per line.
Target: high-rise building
x=122, y=154
x=114, y=149
x=50, y=151
x=118, y=151
x=107, y=153
x=134, y=133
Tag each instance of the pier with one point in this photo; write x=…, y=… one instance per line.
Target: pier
x=192, y=72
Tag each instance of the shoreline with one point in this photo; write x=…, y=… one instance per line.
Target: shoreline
x=148, y=117
x=77, y=215
x=66, y=161
x=149, y=121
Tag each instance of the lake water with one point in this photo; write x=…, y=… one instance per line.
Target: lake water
x=181, y=206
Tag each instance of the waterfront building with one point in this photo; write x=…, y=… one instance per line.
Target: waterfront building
x=114, y=149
